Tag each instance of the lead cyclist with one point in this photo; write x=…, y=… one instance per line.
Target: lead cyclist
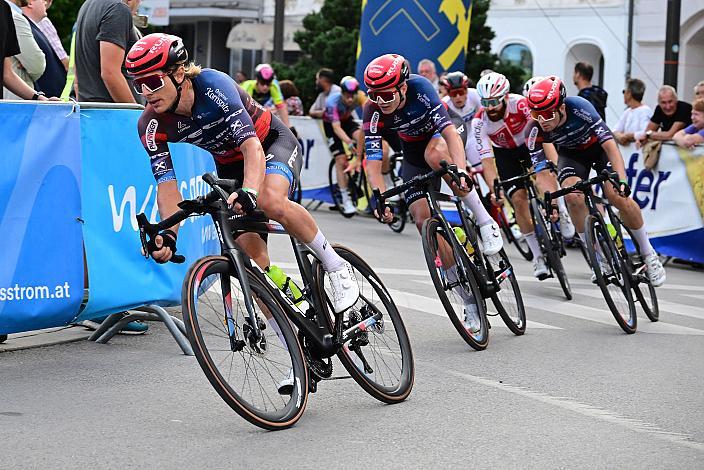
x=206, y=108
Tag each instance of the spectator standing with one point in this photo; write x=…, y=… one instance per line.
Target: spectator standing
x=293, y=102
x=104, y=32
x=30, y=62
x=636, y=117
x=49, y=31
x=54, y=77
x=325, y=85
x=671, y=115
x=694, y=133
x=426, y=68
x=699, y=90
x=583, y=73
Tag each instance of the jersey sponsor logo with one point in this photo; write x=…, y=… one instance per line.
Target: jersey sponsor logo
x=375, y=144
x=582, y=114
x=532, y=138
x=159, y=155
x=292, y=158
x=237, y=126
x=460, y=129
x=374, y=122
x=151, y=135
x=181, y=126
x=423, y=98
x=160, y=167
x=397, y=118
x=269, y=156
x=218, y=98
x=231, y=116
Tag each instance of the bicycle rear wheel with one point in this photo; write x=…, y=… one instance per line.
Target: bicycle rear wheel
x=550, y=245
x=454, y=294
x=245, y=373
x=508, y=300
x=380, y=359
x=611, y=274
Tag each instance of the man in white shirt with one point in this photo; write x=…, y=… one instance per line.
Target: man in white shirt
x=30, y=63
x=636, y=117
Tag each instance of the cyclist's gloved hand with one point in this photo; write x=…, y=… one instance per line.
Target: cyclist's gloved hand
x=382, y=214
x=243, y=201
x=624, y=189
x=163, y=246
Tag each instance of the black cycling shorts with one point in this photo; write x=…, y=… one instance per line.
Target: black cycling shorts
x=511, y=163
x=334, y=143
x=580, y=162
x=414, y=151
x=410, y=170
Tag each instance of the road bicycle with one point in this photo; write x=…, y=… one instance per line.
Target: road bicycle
x=619, y=274
x=241, y=325
x=478, y=277
x=546, y=231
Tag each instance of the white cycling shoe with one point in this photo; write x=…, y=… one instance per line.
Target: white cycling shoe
x=540, y=269
x=656, y=273
x=348, y=207
x=491, y=238
x=286, y=384
x=566, y=226
x=471, y=317
x=604, y=267
x=345, y=290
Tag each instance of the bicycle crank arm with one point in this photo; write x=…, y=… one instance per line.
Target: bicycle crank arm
x=360, y=327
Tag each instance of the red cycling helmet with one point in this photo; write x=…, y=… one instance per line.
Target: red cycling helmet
x=386, y=71
x=547, y=94
x=155, y=51
x=455, y=81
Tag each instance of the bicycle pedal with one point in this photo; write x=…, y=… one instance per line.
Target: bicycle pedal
x=542, y=277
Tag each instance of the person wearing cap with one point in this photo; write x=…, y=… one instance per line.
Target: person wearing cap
x=266, y=91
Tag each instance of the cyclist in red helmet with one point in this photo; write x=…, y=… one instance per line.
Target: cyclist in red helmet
x=409, y=105
x=208, y=109
x=583, y=141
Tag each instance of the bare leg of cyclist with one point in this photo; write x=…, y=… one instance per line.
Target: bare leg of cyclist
x=547, y=181
x=255, y=247
x=521, y=210
x=273, y=200
x=343, y=183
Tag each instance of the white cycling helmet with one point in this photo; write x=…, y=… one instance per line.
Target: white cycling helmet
x=493, y=85
x=531, y=81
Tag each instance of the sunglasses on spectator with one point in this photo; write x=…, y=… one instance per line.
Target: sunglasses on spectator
x=543, y=115
x=457, y=92
x=491, y=102
x=382, y=97
x=150, y=83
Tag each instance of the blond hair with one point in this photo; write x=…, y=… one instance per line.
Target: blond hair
x=192, y=70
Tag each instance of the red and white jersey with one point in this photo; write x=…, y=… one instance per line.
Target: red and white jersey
x=505, y=133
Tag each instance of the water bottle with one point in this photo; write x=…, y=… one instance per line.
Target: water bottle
x=612, y=233
x=462, y=238
x=287, y=286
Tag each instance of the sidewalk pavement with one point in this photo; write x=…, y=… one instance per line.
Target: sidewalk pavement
x=47, y=337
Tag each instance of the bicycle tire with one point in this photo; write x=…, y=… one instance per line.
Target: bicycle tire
x=547, y=239
x=400, y=210
x=597, y=233
x=480, y=339
x=351, y=359
x=197, y=288
x=515, y=320
x=647, y=299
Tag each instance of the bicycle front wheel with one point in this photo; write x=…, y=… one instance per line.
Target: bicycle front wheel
x=245, y=372
x=611, y=276
x=460, y=290
x=550, y=245
x=508, y=300
x=379, y=358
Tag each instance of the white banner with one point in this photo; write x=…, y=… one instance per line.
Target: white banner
x=156, y=10
x=665, y=194
x=314, y=174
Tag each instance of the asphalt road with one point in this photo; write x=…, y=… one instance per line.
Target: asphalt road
x=573, y=392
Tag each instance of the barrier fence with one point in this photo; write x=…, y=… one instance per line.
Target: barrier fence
x=73, y=179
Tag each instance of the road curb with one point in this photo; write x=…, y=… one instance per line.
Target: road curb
x=42, y=338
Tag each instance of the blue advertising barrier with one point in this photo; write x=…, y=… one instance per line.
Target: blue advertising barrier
x=431, y=29
x=41, y=273
x=117, y=185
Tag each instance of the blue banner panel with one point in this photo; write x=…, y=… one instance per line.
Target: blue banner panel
x=428, y=29
x=118, y=184
x=41, y=273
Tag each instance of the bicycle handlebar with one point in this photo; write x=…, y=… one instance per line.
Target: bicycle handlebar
x=222, y=188
x=584, y=185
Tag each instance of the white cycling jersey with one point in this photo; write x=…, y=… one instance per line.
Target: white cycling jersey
x=505, y=133
x=471, y=106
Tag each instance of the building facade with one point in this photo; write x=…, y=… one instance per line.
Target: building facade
x=550, y=36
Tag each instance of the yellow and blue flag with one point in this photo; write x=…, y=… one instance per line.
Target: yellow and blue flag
x=427, y=29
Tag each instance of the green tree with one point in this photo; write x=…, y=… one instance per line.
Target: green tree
x=479, y=55
x=328, y=39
